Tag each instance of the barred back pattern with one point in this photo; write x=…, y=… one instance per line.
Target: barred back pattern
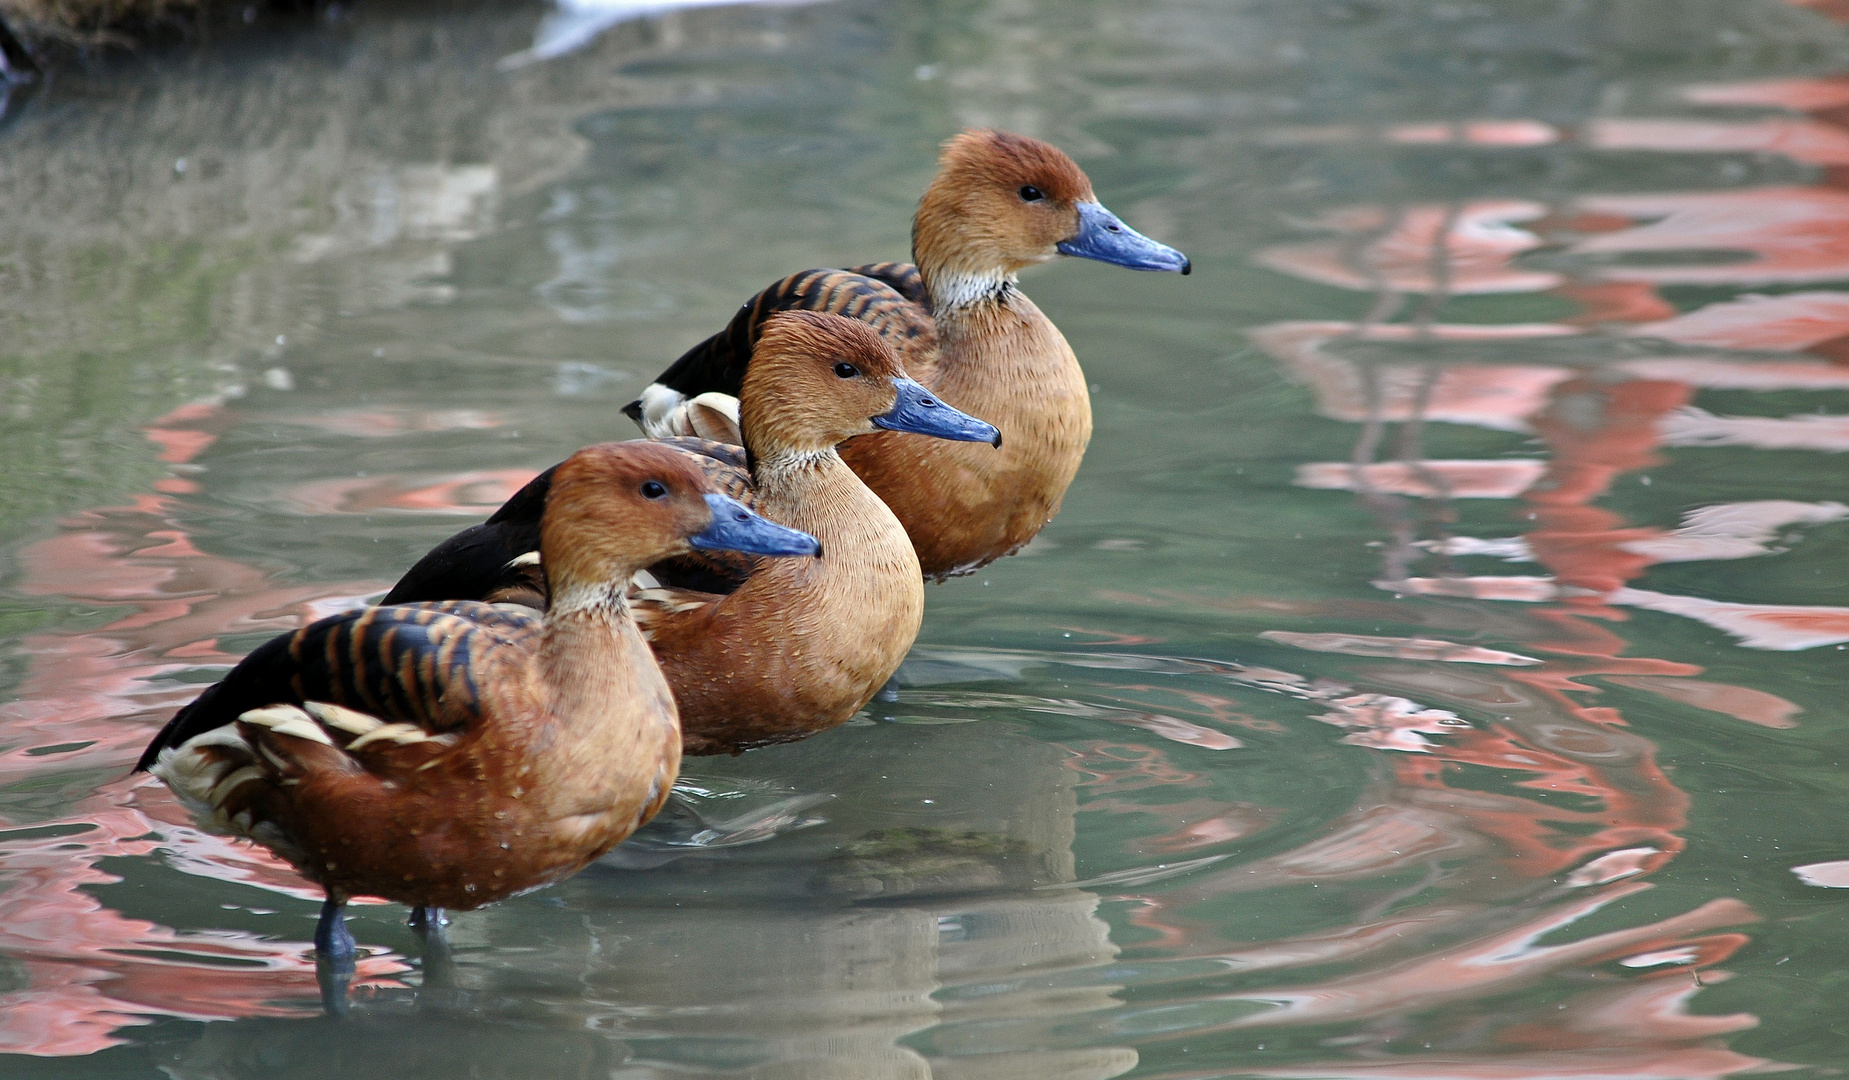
x=890, y=297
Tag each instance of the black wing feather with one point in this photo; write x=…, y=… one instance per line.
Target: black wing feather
x=890, y=297
x=473, y=563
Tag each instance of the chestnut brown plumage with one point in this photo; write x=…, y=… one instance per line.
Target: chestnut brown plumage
x=777, y=649
x=1000, y=203
x=801, y=645
x=453, y=754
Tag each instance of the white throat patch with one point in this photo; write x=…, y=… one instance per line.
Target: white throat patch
x=953, y=291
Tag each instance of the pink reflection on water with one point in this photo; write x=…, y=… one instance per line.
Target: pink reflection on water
x=1467, y=133
x=1799, y=95
x=1637, y=1031
x=1499, y=396
x=1495, y=963
x=89, y=701
x=1429, y=479
x=1463, y=249
x=91, y=971
x=106, y=687
x=475, y=493
x=1604, y=414
x=1787, y=235
x=1778, y=627
x=1740, y=702
x=1109, y=767
x=1800, y=140
x=1789, y=323
x=1646, y=1063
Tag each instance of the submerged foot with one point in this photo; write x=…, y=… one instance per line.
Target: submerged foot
x=334, y=977
x=334, y=956
x=428, y=920
x=439, y=962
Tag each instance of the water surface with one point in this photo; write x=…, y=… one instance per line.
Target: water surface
x=1434, y=671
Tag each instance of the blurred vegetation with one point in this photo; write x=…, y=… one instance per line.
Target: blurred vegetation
x=58, y=24
x=173, y=231
x=86, y=19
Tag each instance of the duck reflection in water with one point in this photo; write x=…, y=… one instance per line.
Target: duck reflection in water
x=875, y=946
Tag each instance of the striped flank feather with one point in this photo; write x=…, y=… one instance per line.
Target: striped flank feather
x=357, y=672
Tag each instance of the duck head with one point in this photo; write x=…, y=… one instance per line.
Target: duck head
x=614, y=508
x=816, y=380
x=1003, y=202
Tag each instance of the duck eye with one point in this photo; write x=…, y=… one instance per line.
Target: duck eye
x=1030, y=193
x=846, y=371
x=654, y=489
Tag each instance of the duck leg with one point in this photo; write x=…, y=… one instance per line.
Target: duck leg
x=334, y=955
x=333, y=941
x=430, y=924
x=423, y=919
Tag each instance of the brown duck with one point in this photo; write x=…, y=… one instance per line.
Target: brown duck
x=450, y=755
x=1000, y=203
x=769, y=650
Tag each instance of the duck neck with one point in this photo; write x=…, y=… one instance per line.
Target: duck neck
x=957, y=294
x=973, y=303
x=598, y=666
x=772, y=454
x=958, y=276
x=784, y=468
x=815, y=491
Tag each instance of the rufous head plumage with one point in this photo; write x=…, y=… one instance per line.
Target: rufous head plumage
x=1000, y=202
x=1003, y=202
x=815, y=380
x=614, y=508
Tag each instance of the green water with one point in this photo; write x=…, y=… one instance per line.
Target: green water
x=1251, y=766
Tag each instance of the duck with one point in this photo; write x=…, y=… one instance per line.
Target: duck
x=1000, y=203
x=450, y=755
x=768, y=651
